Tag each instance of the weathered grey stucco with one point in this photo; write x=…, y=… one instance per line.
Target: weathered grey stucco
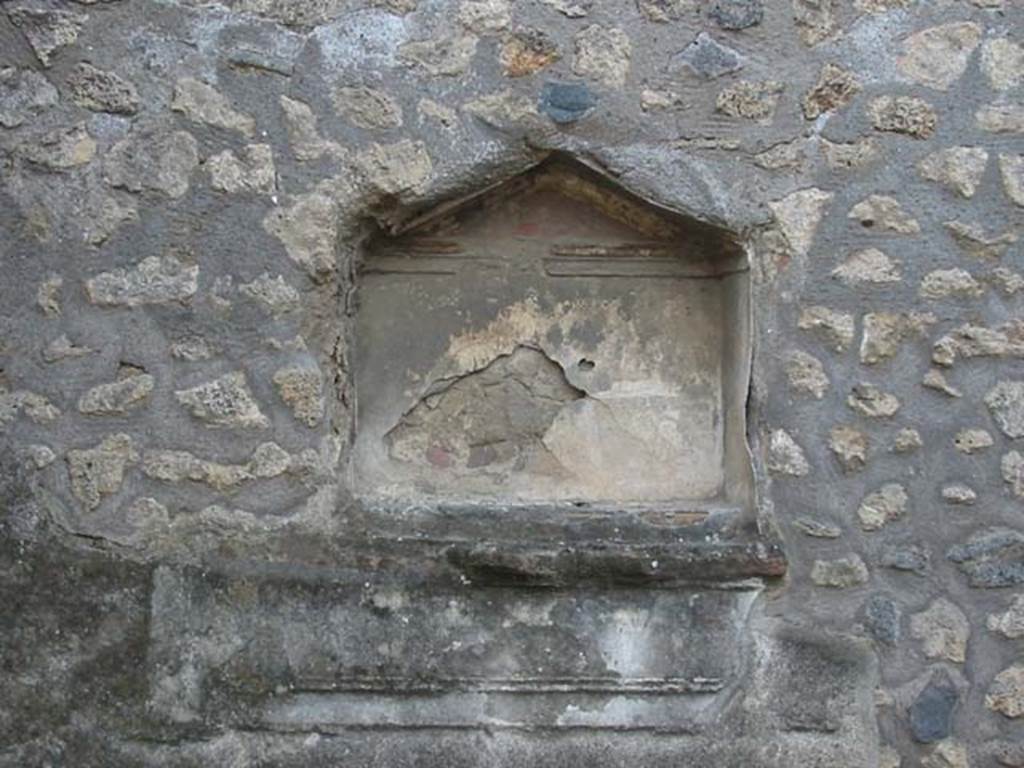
x=190, y=570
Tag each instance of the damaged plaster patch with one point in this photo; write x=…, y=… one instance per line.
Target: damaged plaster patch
x=494, y=417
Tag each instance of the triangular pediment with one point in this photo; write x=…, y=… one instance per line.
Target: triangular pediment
x=558, y=199
x=570, y=210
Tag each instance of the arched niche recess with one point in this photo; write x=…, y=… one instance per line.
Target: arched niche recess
x=552, y=375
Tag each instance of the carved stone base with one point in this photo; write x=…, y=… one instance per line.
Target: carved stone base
x=503, y=676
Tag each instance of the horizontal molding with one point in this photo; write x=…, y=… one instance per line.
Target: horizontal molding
x=628, y=267
x=524, y=685
x=587, y=260
x=305, y=712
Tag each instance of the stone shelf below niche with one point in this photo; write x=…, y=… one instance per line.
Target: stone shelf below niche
x=555, y=546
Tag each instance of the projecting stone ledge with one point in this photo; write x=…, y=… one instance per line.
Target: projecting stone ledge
x=552, y=546
x=610, y=564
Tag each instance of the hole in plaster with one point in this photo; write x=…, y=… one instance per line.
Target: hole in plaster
x=126, y=369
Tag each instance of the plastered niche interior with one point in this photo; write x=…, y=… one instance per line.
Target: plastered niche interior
x=551, y=339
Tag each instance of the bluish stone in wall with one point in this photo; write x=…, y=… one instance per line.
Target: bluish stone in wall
x=566, y=102
x=931, y=714
x=991, y=558
x=882, y=618
x=707, y=58
x=906, y=557
x=737, y=14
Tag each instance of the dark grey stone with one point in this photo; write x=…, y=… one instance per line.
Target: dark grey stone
x=931, y=714
x=566, y=102
x=991, y=558
x=708, y=58
x=882, y=617
x=737, y=14
x=992, y=575
x=907, y=557
x=988, y=543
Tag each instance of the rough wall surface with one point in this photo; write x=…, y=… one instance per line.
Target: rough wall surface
x=185, y=188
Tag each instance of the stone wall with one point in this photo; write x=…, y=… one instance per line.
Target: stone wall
x=186, y=187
